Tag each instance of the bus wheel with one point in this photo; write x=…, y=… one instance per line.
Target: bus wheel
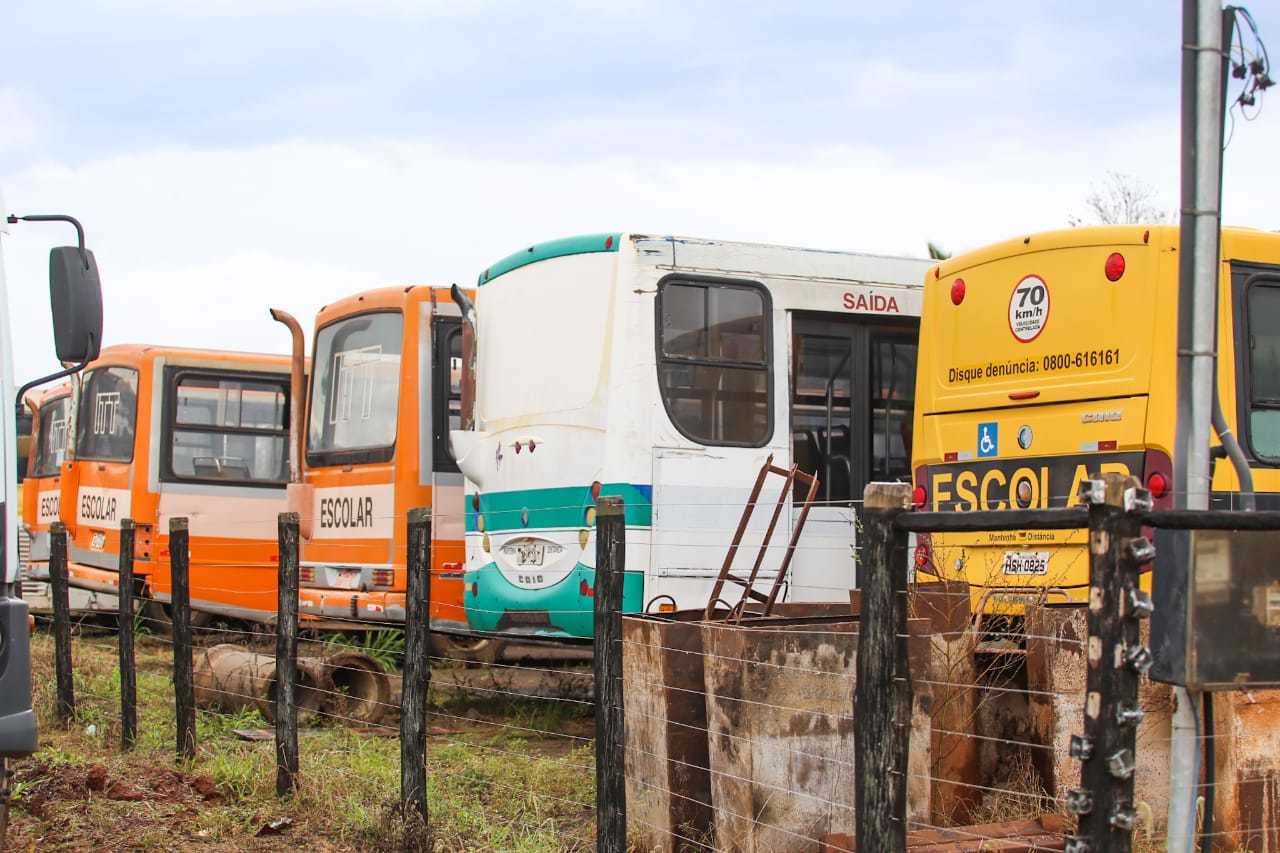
x=468, y=649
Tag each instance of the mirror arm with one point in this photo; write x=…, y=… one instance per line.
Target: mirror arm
x=75, y=368
x=56, y=217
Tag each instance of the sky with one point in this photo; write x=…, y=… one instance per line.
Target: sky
x=228, y=156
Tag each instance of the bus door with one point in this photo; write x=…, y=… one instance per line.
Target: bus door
x=447, y=528
x=852, y=398
x=714, y=363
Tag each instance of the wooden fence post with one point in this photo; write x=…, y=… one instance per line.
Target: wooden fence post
x=183, y=683
x=58, y=588
x=128, y=666
x=611, y=792
x=882, y=692
x=1117, y=660
x=417, y=681
x=287, y=655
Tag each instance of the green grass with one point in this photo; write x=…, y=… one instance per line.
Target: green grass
x=490, y=787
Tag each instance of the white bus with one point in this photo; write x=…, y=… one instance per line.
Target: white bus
x=667, y=370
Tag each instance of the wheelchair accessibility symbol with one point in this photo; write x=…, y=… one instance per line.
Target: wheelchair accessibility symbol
x=988, y=439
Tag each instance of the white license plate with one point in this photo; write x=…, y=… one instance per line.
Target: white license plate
x=347, y=579
x=1025, y=563
x=98, y=540
x=530, y=553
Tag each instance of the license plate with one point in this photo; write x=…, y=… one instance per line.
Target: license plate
x=347, y=579
x=98, y=541
x=530, y=554
x=1026, y=563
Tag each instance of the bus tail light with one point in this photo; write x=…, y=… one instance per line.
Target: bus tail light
x=383, y=577
x=919, y=497
x=475, y=589
x=306, y=574
x=957, y=291
x=595, y=490
x=585, y=589
x=1157, y=473
x=1114, y=267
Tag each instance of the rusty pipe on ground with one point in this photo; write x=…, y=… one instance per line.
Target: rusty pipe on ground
x=297, y=391
x=233, y=678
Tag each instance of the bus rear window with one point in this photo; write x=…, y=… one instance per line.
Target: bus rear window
x=1264, y=371
x=51, y=438
x=107, y=414
x=356, y=389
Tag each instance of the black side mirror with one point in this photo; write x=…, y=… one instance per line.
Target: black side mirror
x=75, y=299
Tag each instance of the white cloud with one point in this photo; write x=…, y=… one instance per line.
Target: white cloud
x=195, y=245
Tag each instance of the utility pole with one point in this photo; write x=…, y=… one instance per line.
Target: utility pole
x=1203, y=62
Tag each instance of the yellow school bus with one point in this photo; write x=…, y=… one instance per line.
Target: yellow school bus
x=1048, y=359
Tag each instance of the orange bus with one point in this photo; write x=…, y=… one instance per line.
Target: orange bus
x=164, y=432
x=51, y=411
x=385, y=391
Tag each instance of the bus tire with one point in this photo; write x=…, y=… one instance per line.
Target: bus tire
x=467, y=649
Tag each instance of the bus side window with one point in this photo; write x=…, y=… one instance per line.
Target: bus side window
x=226, y=428
x=1264, y=370
x=713, y=360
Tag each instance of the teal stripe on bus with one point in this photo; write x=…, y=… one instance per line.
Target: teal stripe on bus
x=584, y=244
x=564, y=506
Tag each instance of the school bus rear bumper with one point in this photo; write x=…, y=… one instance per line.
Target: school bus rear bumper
x=346, y=604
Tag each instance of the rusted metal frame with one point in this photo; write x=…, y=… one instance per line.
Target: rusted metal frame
x=795, y=540
x=737, y=537
x=749, y=590
x=1116, y=660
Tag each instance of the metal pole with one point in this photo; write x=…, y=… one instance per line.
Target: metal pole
x=611, y=791
x=1197, y=303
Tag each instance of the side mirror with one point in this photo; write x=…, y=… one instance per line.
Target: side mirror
x=75, y=299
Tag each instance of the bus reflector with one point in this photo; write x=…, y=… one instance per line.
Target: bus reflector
x=1107, y=445
x=608, y=242
x=666, y=607
x=585, y=590
x=595, y=491
x=1157, y=485
x=1024, y=395
x=1114, y=267
x=919, y=497
x=951, y=456
x=957, y=291
x=475, y=588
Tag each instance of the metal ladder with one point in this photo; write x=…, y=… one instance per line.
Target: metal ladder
x=749, y=592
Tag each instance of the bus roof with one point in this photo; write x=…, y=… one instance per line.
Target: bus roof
x=708, y=254
x=136, y=353
x=382, y=298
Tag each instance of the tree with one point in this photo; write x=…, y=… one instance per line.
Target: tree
x=1121, y=199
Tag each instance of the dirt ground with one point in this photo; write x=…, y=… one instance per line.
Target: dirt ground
x=506, y=772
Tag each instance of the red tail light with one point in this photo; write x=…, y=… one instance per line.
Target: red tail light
x=595, y=490
x=475, y=589
x=306, y=574
x=1157, y=472
x=919, y=497
x=585, y=589
x=957, y=291
x=383, y=577
x=1114, y=267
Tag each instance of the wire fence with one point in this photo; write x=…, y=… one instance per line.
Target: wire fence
x=884, y=705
